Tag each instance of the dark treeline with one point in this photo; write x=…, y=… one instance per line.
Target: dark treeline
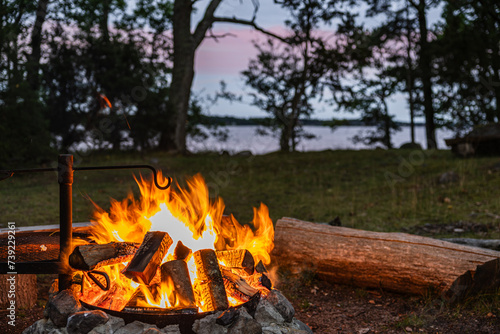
x=109, y=74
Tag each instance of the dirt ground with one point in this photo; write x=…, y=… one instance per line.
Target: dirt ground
x=328, y=308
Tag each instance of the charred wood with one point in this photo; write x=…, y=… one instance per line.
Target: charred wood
x=238, y=283
x=211, y=293
x=92, y=256
x=181, y=252
x=147, y=259
x=175, y=276
x=237, y=258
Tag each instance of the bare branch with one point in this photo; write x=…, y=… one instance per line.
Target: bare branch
x=216, y=37
x=205, y=23
x=250, y=23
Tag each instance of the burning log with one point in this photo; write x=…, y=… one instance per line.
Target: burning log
x=237, y=258
x=148, y=257
x=175, y=275
x=237, y=287
x=181, y=252
x=92, y=256
x=396, y=262
x=114, y=299
x=210, y=284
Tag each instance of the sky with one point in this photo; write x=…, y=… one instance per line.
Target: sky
x=224, y=59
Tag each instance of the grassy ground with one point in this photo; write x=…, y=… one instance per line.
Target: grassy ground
x=374, y=190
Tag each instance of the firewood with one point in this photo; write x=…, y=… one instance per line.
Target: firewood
x=239, y=283
x=143, y=266
x=237, y=258
x=181, y=252
x=175, y=274
x=113, y=299
x=260, y=268
x=211, y=293
x=92, y=256
x=396, y=262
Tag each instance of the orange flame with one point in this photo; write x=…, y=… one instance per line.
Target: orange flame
x=187, y=215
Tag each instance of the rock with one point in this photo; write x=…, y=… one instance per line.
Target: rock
x=153, y=331
x=171, y=329
x=281, y=304
x=448, y=177
x=137, y=327
x=61, y=307
x=40, y=327
x=110, y=327
x=207, y=325
x=245, y=324
x=302, y=326
x=410, y=146
x=266, y=314
x=228, y=317
x=244, y=154
x=335, y=222
x=83, y=322
x=280, y=329
x=58, y=331
x=464, y=150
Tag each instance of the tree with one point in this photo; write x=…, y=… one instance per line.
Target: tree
x=469, y=63
x=287, y=77
x=186, y=43
x=23, y=131
x=114, y=82
x=424, y=52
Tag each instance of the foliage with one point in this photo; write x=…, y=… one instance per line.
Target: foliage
x=469, y=63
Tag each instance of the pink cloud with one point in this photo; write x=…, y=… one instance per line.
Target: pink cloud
x=230, y=54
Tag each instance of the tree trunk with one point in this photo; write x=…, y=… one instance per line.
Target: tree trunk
x=23, y=291
x=183, y=71
x=396, y=262
x=36, y=41
x=425, y=69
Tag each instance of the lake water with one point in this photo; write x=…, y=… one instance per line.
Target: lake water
x=243, y=138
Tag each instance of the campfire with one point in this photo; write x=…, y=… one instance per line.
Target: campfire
x=173, y=251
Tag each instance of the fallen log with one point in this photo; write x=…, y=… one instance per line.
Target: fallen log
x=143, y=267
x=396, y=262
x=92, y=256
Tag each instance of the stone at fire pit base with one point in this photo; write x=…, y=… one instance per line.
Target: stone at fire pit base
x=272, y=314
x=113, y=324
x=83, y=322
x=61, y=307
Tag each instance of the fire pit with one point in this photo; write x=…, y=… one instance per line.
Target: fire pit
x=169, y=259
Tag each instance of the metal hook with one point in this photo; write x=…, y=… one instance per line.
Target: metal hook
x=91, y=274
x=155, y=172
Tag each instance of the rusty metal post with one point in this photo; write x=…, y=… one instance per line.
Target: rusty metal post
x=65, y=179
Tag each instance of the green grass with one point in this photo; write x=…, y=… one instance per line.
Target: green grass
x=374, y=190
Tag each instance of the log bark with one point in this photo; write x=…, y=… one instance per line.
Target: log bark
x=148, y=257
x=21, y=289
x=396, y=262
x=175, y=274
x=92, y=256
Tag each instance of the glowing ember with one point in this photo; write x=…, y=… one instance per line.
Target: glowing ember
x=194, y=223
